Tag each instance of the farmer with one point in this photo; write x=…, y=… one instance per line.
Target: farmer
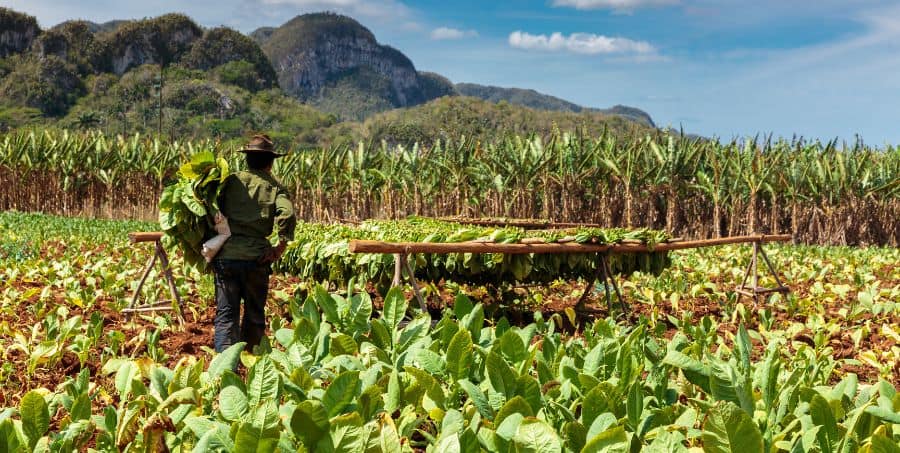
x=255, y=204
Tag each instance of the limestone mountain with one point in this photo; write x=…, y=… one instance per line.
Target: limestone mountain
x=315, y=79
x=334, y=62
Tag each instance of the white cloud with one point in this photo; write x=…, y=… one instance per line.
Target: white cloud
x=442, y=33
x=582, y=43
x=618, y=5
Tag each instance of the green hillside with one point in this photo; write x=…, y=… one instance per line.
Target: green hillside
x=169, y=75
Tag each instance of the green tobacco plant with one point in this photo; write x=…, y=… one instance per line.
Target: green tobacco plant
x=187, y=206
x=340, y=377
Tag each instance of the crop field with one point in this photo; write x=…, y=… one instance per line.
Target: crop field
x=488, y=367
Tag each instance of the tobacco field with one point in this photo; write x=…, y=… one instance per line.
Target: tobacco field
x=350, y=367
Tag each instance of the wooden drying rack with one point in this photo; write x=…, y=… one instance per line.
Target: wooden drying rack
x=160, y=255
x=401, y=251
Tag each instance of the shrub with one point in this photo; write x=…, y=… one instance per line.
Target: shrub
x=48, y=84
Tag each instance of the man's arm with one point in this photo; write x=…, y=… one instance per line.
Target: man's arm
x=285, y=220
x=285, y=223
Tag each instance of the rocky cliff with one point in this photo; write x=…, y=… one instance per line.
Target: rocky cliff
x=162, y=40
x=312, y=52
x=17, y=32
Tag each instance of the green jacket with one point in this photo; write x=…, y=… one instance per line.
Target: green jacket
x=255, y=203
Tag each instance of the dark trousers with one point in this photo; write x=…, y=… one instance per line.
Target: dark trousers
x=235, y=281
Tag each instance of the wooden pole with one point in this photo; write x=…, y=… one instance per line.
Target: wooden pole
x=164, y=260
x=137, y=291
x=412, y=281
x=363, y=246
x=145, y=236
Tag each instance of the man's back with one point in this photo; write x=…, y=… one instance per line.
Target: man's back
x=254, y=202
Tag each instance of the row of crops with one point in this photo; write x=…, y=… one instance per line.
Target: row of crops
x=338, y=379
x=815, y=370
x=823, y=192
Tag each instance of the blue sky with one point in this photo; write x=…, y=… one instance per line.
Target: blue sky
x=817, y=68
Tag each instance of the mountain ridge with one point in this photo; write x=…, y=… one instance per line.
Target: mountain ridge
x=315, y=78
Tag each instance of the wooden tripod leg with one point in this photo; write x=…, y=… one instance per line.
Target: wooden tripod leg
x=771, y=268
x=164, y=261
x=741, y=288
x=398, y=271
x=615, y=286
x=755, y=273
x=412, y=281
x=589, y=287
x=137, y=291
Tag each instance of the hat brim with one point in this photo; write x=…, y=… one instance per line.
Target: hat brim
x=261, y=151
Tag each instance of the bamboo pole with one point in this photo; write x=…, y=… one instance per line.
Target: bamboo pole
x=361, y=246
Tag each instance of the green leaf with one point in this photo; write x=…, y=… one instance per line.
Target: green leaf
x=597, y=401
x=528, y=387
x=430, y=361
x=81, y=407
x=327, y=304
x=343, y=345
x=512, y=348
x=232, y=403
x=516, y=405
x=635, y=404
x=213, y=435
x=395, y=306
x=536, y=436
x=448, y=444
x=416, y=330
x=593, y=360
x=884, y=414
x=880, y=443
x=360, y=311
x=250, y=438
x=341, y=392
x=263, y=384
x=35, y=416
x=474, y=321
x=459, y=354
x=821, y=415
x=393, y=395
x=225, y=360
x=478, y=398
x=602, y=423
x=125, y=378
x=694, y=370
x=346, y=435
x=389, y=440
x=743, y=346
x=462, y=306
x=432, y=388
x=309, y=423
x=612, y=440
x=500, y=375
x=667, y=442
x=728, y=428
